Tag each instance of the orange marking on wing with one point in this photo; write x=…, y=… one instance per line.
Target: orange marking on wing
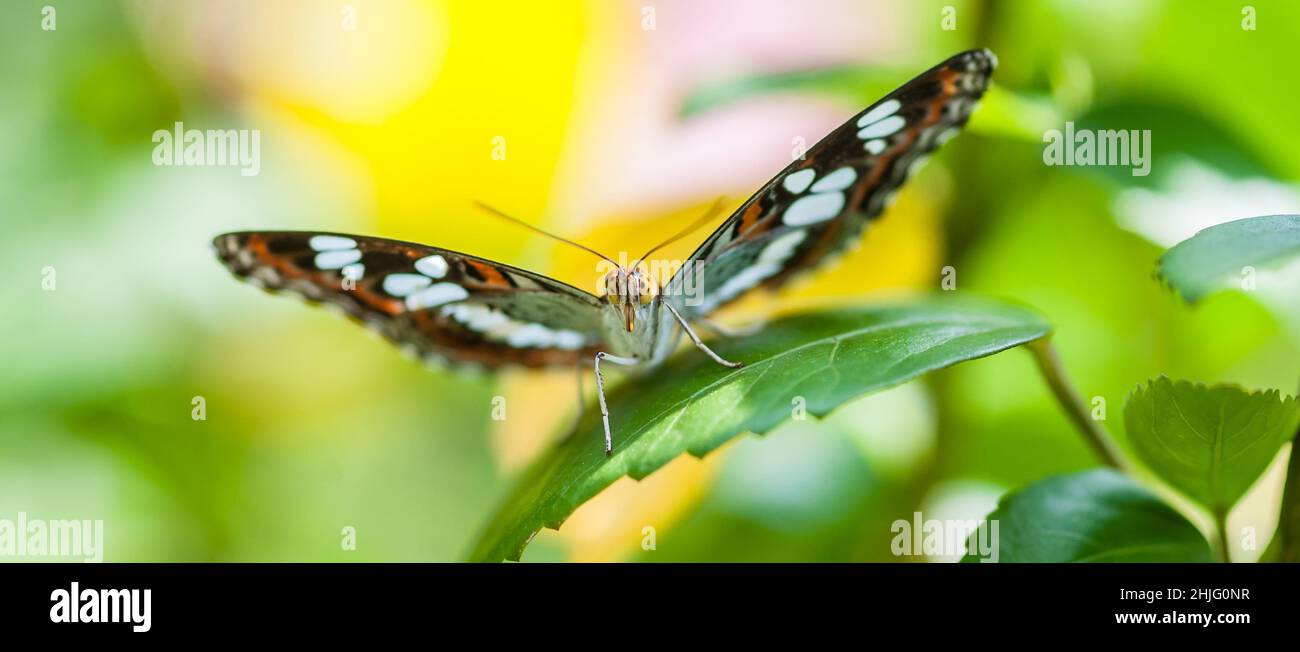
x=750, y=217
x=493, y=276
x=283, y=266
x=378, y=302
x=260, y=249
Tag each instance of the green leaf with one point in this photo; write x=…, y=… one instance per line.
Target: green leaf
x=815, y=360
x=1212, y=258
x=1093, y=516
x=1210, y=443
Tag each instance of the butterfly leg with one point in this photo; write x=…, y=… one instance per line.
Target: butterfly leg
x=698, y=344
x=600, y=392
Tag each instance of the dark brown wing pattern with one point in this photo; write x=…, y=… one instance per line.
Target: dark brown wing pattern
x=436, y=304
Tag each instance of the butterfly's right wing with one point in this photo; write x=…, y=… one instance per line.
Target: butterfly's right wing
x=436, y=304
x=818, y=206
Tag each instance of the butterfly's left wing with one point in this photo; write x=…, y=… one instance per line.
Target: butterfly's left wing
x=436, y=304
x=818, y=206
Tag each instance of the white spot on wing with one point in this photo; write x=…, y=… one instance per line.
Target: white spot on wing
x=434, y=266
x=496, y=326
x=879, y=113
x=354, y=271
x=745, y=280
x=875, y=146
x=330, y=243
x=537, y=335
x=337, y=258
x=477, y=317
x=569, y=340
x=813, y=209
x=837, y=180
x=883, y=128
x=916, y=165
x=797, y=182
x=434, y=295
x=266, y=275
x=781, y=248
x=400, y=285
x=529, y=335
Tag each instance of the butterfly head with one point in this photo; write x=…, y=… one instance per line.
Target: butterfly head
x=630, y=290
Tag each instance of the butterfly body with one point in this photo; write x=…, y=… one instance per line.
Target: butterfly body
x=445, y=306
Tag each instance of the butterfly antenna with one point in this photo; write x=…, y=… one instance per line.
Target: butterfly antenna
x=545, y=233
x=704, y=219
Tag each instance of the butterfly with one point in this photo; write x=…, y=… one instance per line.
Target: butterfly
x=444, y=306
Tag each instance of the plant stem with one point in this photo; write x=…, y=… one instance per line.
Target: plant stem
x=1093, y=432
x=1221, y=530
x=1287, y=536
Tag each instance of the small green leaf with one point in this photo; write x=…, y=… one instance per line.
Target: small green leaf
x=1210, y=443
x=813, y=361
x=1217, y=256
x=1093, y=516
